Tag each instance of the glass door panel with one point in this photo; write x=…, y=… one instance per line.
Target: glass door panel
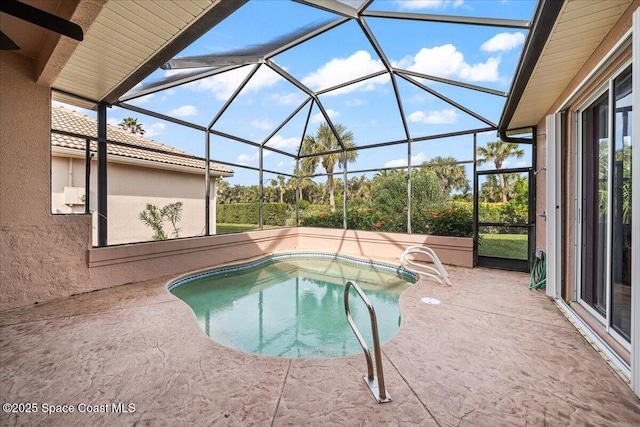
x=595, y=197
x=621, y=212
x=606, y=206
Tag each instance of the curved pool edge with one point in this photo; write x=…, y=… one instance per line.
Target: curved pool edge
x=182, y=279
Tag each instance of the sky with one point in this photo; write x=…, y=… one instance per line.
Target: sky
x=476, y=55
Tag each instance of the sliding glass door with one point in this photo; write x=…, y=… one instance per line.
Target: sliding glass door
x=605, y=205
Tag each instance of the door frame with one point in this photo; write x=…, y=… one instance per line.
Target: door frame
x=498, y=262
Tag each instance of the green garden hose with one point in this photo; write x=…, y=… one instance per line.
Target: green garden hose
x=538, y=272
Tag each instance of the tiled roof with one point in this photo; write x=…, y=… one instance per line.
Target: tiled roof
x=137, y=147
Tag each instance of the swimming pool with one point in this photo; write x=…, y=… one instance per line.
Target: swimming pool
x=292, y=305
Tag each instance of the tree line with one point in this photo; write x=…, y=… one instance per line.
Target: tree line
x=440, y=178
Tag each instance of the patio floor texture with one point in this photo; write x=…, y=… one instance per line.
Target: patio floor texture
x=492, y=353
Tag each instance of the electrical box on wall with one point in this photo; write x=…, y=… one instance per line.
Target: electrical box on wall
x=74, y=196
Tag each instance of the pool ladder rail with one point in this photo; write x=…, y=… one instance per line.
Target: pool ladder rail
x=437, y=272
x=375, y=383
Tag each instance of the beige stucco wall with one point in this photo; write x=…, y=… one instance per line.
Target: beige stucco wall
x=568, y=161
x=130, y=188
x=41, y=256
x=376, y=245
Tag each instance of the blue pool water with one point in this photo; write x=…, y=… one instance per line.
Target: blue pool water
x=293, y=306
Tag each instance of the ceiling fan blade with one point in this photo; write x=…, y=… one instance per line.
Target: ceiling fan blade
x=6, y=43
x=42, y=19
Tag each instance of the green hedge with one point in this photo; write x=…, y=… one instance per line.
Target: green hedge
x=441, y=220
x=249, y=213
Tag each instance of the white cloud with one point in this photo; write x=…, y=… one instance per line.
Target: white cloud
x=415, y=160
x=184, y=111
x=428, y=4
x=319, y=118
x=113, y=121
x=223, y=85
x=261, y=124
x=341, y=70
x=447, y=61
x=245, y=159
x=355, y=102
x=153, y=130
x=485, y=72
x=286, y=99
x=503, y=42
x=280, y=142
x=142, y=100
x=434, y=117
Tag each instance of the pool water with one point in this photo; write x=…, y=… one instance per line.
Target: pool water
x=294, y=307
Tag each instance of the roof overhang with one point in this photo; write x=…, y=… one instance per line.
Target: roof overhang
x=129, y=40
x=67, y=152
x=564, y=35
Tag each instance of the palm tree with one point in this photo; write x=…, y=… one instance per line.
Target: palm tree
x=132, y=125
x=498, y=152
x=360, y=187
x=280, y=183
x=452, y=176
x=222, y=190
x=322, y=142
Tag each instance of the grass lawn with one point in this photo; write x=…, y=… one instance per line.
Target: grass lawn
x=512, y=246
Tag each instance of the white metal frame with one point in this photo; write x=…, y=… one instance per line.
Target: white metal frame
x=607, y=87
x=635, y=208
x=553, y=205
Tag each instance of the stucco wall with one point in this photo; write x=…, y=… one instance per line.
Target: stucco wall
x=131, y=263
x=130, y=188
x=41, y=257
x=371, y=244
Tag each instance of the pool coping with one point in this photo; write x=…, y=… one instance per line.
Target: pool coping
x=257, y=261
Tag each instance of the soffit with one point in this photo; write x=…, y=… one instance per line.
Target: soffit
x=580, y=28
x=125, y=37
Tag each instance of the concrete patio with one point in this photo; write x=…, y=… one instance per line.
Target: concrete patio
x=492, y=353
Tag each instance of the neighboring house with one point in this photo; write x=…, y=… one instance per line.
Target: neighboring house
x=579, y=87
x=140, y=172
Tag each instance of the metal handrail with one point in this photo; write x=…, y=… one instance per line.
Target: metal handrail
x=376, y=385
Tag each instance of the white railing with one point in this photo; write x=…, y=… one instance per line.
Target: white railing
x=436, y=272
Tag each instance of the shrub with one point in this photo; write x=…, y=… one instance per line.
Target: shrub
x=249, y=213
x=323, y=219
x=304, y=204
x=372, y=220
x=154, y=217
x=449, y=221
x=452, y=220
